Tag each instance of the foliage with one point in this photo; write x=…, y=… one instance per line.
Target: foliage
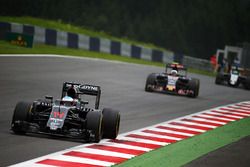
x=196, y=28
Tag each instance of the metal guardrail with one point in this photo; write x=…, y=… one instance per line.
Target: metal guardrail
x=197, y=63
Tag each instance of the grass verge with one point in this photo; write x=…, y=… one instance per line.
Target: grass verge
x=7, y=48
x=59, y=25
x=182, y=152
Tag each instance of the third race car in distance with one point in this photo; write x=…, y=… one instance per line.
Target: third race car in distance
x=173, y=80
x=235, y=77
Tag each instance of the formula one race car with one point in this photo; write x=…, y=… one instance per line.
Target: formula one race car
x=68, y=116
x=173, y=80
x=233, y=78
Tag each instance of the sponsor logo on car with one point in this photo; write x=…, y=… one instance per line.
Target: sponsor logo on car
x=89, y=87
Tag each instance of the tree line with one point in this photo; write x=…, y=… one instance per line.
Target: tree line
x=193, y=27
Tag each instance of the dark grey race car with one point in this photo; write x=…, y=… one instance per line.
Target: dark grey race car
x=173, y=80
x=234, y=78
x=68, y=116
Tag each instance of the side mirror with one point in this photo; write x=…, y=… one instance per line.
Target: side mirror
x=85, y=102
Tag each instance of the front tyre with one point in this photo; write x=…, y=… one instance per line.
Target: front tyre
x=94, y=125
x=219, y=79
x=111, y=123
x=22, y=115
x=194, y=87
x=150, y=82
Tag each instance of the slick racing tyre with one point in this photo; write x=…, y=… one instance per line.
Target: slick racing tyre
x=247, y=83
x=111, y=123
x=194, y=86
x=150, y=82
x=233, y=85
x=22, y=115
x=94, y=125
x=219, y=79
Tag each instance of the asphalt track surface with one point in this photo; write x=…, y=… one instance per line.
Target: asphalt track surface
x=29, y=78
x=234, y=154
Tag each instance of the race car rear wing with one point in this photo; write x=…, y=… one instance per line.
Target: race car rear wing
x=175, y=66
x=86, y=89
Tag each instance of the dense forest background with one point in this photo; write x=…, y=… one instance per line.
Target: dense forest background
x=193, y=27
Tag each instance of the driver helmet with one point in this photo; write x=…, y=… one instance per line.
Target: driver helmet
x=67, y=99
x=71, y=92
x=174, y=72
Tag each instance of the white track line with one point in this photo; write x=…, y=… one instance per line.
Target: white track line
x=72, y=57
x=107, y=153
x=81, y=160
x=184, y=128
x=142, y=140
x=119, y=145
x=157, y=136
x=205, y=120
x=170, y=131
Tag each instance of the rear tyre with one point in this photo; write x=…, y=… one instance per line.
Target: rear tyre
x=111, y=123
x=194, y=86
x=94, y=125
x=150, y=82
x=247, y=83
x=22, y=115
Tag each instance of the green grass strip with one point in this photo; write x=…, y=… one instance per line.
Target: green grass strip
x=7, y=48
x=59, y=25
x=182, y=152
